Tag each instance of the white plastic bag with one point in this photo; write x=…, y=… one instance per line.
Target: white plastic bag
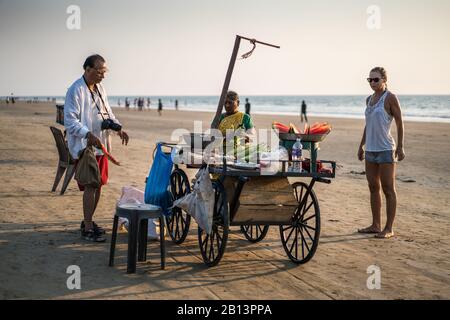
x=133, y=195
x=200, y=202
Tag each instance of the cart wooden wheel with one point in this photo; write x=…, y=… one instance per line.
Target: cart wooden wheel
x=300, y=239
x=178, y=222
x=212, y=246
x=254, y=233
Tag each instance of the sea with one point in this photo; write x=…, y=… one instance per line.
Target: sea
x=424, y=108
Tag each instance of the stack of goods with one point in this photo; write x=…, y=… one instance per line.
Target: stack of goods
x=316, y=128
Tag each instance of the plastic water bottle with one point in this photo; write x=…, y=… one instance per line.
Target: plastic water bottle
x=297, y=149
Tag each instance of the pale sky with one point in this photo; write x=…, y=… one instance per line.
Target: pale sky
x=182, y=47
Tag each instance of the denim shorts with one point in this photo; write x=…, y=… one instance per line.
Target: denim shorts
x=378, y=157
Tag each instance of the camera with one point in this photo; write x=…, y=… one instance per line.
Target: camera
x=110, y=124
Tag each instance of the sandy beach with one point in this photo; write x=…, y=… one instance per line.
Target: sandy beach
x=39, y=236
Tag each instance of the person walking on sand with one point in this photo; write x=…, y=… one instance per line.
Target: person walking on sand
x=86, y=108
x=379, y=151
x=176, y=104
x=247, y=106
x=148, y=103
x=140, y=104
x=160, y=107
x=303, y=111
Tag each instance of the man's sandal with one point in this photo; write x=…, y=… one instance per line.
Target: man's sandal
x=93, y=236
x=98, y=229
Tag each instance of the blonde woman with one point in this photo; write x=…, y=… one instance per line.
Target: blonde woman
x=380, y=151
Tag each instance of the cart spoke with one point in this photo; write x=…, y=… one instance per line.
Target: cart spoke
x=307, y=226
x=310, y=217
x=301, y=207
x=172, y=220
x=306, y=209
x=296, y=194
x=211, y=247
x=205, y=242
x=178, y=226
x=218, y=235
x=290, y=233
x=219, y=211
x=296, y=245
x=183, y=221
x=219, y=243
x=259, y=231
x=301, y=194
x=304, y=240
x=295, y=239
x=303, y=249
x=309, y=235
x=180, y=185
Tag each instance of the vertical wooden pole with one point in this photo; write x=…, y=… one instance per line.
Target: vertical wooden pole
x=215, y=123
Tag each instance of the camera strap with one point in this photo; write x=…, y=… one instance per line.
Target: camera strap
x=101, y=98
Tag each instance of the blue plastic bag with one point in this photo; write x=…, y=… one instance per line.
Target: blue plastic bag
x=156, y=188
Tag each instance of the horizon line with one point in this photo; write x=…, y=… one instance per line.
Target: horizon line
x=241, y=95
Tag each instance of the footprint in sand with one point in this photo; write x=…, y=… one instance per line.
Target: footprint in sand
x=357, y=172
x=405, y=179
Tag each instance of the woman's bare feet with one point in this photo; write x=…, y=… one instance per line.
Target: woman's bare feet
x=385, y=234
x=370, y=229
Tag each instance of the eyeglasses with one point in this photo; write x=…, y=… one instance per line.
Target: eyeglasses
x=101, y=71
x=373, y=79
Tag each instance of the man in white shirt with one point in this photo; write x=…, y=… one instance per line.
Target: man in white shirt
x=86, y=114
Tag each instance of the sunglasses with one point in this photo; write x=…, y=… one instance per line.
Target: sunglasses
x=376, y=80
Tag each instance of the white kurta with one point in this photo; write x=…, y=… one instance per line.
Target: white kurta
x=82, y=116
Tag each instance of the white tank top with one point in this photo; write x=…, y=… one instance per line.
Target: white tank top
x=378, y=127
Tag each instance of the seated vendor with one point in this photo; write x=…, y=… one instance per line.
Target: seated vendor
x=236, y=128
x=233, y=119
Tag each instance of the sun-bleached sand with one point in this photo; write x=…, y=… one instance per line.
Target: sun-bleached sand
x=39, y=235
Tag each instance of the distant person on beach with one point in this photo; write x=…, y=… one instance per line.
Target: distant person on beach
x=176, y=104
x=160, y=107
x=140, y=104
x=127, y=104
x=118, y=102
x=303, y=111
x=148, y=103
x=86, y=108
x=135, y=102
x=378, y=149
x=247, y=106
